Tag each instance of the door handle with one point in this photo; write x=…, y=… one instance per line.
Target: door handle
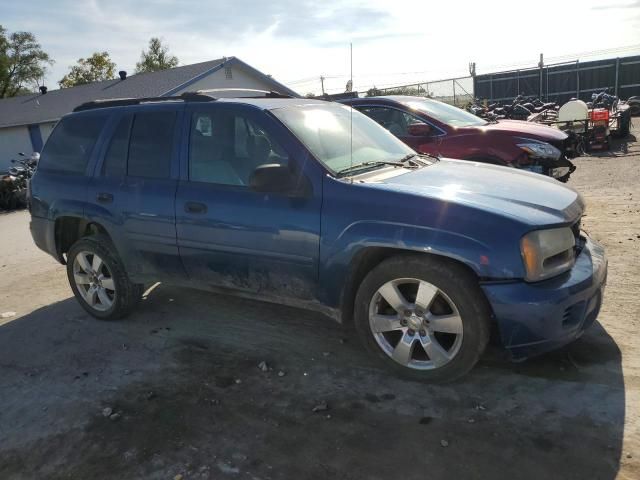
x=195, y=207
x=103, y=197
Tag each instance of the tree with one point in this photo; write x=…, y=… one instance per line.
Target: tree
x=93, y=69
x=22, y=62
x=156, y=58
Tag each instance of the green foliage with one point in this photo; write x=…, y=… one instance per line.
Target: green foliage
x=156, y=58
x=93, y=69
x=22, y=62
x=413, y=91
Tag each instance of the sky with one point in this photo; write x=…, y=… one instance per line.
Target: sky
x=297, y=41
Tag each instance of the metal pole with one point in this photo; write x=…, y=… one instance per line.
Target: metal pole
x=491, y=87
x=322, y=83
x=454, y=92
x=617, y=71
x=578, y=79
x=541, y=65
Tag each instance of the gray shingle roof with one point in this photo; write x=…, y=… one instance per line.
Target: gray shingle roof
x=37, y=108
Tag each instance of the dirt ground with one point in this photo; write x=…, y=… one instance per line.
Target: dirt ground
x=182, y=377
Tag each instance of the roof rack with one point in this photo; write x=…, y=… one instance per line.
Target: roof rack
x=121, y=102
x=263, y=93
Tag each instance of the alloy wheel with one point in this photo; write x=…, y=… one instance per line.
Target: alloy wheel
x=415, y=323
x=94, y=281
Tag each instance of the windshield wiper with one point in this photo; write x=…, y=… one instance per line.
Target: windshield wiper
x=413, y=155
x=364, y=165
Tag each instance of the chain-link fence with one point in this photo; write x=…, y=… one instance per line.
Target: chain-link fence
x=455, y=91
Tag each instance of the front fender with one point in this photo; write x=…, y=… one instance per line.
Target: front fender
x=336, y=259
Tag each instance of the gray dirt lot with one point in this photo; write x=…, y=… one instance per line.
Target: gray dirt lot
x=182, y=373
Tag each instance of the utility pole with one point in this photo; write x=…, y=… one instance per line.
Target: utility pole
x=322, y=83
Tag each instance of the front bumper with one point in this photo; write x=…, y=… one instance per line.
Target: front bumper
x=534, y=318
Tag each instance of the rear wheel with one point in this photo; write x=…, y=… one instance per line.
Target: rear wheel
x=98, y=279
x=423, y=317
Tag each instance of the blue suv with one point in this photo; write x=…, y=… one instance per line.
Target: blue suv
x=312, y=204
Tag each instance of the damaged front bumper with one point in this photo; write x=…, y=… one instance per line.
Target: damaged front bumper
x=534, y=318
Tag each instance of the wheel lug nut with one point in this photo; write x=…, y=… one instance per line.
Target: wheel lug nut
x=407, y=313
x=411, y=332
x=403, y=322
x=423, y=333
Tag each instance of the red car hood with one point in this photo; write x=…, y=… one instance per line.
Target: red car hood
x=527, y=130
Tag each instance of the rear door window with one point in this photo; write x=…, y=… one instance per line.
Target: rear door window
x=69, y=148
x=115, y=160
x=151, y=145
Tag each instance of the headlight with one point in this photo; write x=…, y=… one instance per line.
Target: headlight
x=547, y=253
x=540, y=150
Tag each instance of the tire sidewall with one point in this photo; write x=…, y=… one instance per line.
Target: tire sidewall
x=107, y=253
x=459, y=285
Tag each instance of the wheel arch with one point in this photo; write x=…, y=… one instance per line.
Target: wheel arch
x=69, y=229
x=365, y=260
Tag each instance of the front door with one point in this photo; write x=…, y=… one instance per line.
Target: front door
x=228, y=234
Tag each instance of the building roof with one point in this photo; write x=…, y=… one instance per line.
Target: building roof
x=38, y=108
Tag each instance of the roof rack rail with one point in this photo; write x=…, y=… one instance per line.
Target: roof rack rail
x=263, y=93
x=122, y=102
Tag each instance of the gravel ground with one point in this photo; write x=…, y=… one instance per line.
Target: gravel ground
x=181, y=382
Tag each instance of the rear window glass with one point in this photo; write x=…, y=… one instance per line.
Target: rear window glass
x=151, y=145
x=71, y=143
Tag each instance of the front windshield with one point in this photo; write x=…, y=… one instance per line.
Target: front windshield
x=326, y=131
x=452, y=116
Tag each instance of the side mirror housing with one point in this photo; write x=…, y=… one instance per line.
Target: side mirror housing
x=278, y=178
x=419, y=130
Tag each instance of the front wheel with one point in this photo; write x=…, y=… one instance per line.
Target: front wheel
x=98, y=279
x=423, y=317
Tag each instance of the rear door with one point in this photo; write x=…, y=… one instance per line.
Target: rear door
x=230, y=235
x=133, y=189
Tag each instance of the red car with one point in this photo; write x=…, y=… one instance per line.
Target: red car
x=436, y=128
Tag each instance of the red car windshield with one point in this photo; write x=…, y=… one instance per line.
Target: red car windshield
x=452, y=116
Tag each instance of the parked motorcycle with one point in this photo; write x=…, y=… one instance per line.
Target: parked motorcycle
x=13, y=186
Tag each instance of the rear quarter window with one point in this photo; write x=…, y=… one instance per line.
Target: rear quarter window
x=70, y=145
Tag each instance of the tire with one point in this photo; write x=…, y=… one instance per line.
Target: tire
x=450, y=284
x=113, y=295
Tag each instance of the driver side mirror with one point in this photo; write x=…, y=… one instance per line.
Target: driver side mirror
x=420, y=130
x=277, y=178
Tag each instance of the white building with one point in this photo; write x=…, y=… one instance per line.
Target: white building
x=26, y=121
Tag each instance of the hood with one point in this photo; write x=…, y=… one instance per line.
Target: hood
x=530, y=198
x=527, y=130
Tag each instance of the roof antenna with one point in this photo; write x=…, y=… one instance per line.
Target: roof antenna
x=351, y=107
